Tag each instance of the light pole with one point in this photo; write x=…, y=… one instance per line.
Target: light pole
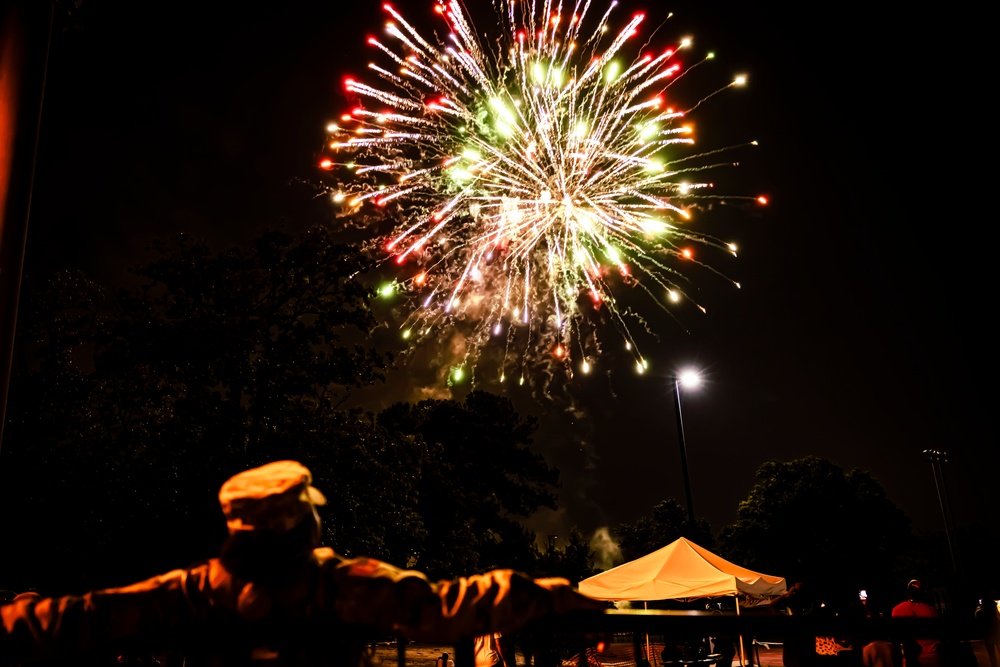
x=936, y=458
x=690, y=379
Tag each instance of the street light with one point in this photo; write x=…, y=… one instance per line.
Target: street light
x=936, y=458
x=691, y=379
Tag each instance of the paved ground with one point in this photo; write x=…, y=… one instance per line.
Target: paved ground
x=421, y=655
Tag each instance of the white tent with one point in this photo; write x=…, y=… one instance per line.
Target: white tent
x=682, y=570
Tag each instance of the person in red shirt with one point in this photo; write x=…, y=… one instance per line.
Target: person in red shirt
x=919, y=652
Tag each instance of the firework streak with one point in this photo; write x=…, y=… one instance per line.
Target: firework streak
x=530, y=177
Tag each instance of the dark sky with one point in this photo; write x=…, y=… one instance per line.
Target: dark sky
x=861, y=333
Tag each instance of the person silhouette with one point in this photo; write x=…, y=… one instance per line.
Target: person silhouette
x=918, y=652
x=275, y=594
x=988, y=617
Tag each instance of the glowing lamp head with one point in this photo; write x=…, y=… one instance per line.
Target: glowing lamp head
x=689, y=378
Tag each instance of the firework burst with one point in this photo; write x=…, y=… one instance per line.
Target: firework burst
x=530, y=177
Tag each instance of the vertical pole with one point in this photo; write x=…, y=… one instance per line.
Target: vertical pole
x=25, y=33
x=465, y=653
x=743, y=657
x=637, y=647
x=649, y=654
x=684, y=459
x=401, y=652
x=936, y=458
x=956, y=552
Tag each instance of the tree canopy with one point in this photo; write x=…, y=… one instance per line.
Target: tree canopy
x=811, y=520
x=666, y=522
x=478, y=479
x=128, y=409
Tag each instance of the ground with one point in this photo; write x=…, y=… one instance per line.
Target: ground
x=426, y=655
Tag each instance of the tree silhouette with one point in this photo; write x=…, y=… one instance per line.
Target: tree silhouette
x=129, y=410
x=664, y=524
x=811, y=520
x=479, y=478
x=572, y=558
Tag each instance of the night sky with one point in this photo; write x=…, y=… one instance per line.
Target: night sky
x=860, y=334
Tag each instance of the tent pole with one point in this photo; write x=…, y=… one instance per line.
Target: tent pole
x=743, y=657
x=645, y=607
